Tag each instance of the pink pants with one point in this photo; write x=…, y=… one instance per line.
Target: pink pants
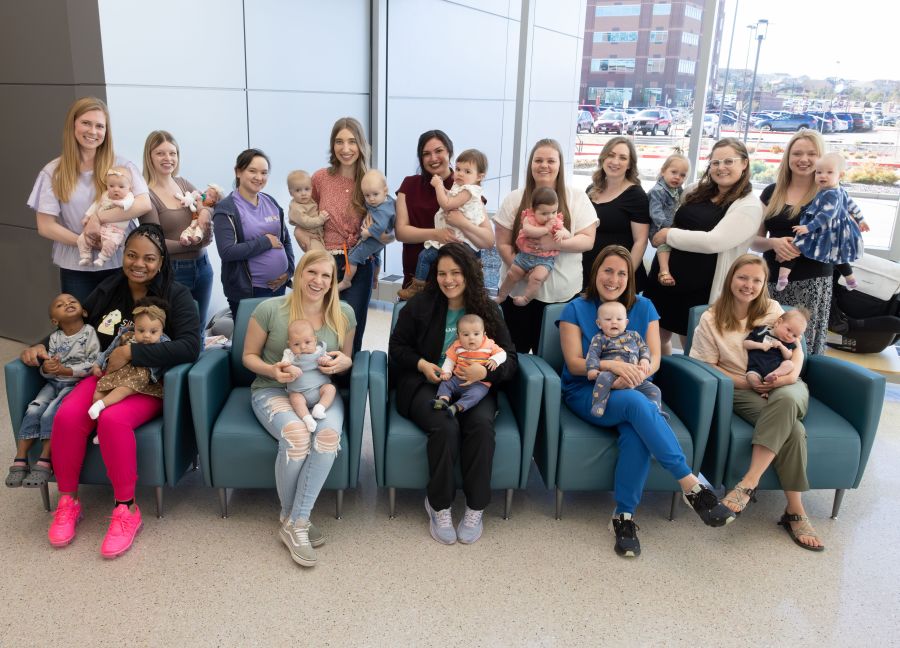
x=115, y=431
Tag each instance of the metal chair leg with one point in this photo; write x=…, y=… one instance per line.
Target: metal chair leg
x=392, y=503
x=508, y=504
x=223, y=502
x=672, y=508
x=159, y=502
x=559, y=496
x=339, y=503
x=838, y=498
x=45, y=496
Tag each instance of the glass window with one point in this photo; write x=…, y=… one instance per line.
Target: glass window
x=616, y=37
x=662, y=9
x=618, y=10
x=616, y=96
x=686, y=67
x=612, y=65
x=690, y=39
x=690, y=11
x=656, y=65
x=658, y=36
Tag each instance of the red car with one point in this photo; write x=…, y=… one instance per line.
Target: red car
x=612, y=121
x=651, y=121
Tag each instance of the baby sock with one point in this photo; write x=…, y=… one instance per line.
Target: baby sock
x=96, y=408
x=310, y=423
x=781, y=284
x=318, y=411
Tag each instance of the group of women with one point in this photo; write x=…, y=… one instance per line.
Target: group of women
x=711, y=233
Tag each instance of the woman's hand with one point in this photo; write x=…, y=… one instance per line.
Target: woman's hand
x=660, y=237
x=430, y=370
x=278, y=281
x=274, y=241
x=280, y=372
x=471, y=374
x=784, y=249
x=547, y=243
x=445, y=235
x=33, y=356
x=631, y=374
x=337, y=362
x=120, y=357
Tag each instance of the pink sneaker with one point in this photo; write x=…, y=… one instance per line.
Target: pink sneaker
x=66, y=517
x=123, y=526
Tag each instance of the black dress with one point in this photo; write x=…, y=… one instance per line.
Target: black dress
x=693, y=271
x=616, y=217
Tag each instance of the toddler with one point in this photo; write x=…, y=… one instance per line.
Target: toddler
x=71, y=351
x=379, y=220
x=665, y=197
x=542, y=219
x=464, y=196
x=830, y=226
x=471, y=346
x=770, y=348
x=148, y=321
x=303, y=211
x=309, y=386
x=614, y=342
x=118, y=194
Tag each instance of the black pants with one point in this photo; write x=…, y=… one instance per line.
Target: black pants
x=468, y=437
x=524, y=324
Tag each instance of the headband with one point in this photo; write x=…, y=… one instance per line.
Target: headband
x=153, y=312
x=152, y=233
x=115, y=172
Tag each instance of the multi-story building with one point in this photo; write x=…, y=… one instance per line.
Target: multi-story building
x=643, y=52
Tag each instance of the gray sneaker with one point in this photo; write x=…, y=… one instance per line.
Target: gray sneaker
x=317, y=537
x=441, y=524
x=296, y=538
x=470, y=527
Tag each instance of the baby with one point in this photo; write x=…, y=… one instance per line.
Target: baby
x=614, y=342
x=309, y=386
x=665, y=196
x=770, y=348
x=71, y=351
x=118, y=194
x=542, y=219
x=471, y=346
x=464, y=196
x=379, y=220
x=303, y=211
x=149, y=320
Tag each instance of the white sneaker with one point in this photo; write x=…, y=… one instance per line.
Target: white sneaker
x=470, y=527
x=440, y=524
x=296, y=539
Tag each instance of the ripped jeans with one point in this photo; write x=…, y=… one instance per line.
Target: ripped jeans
x=304, y=460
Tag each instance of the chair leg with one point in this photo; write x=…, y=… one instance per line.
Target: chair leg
x=392, y=503
x=45, y=496
x=838, y=498
x=339, y=503
x=159, y=502
x=507, y=505
x=559, y=495
x=672, y=508
x=223, y=502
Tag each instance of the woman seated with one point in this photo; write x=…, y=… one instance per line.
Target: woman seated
x=775, y=407
x=425, y=328
x=643, y=431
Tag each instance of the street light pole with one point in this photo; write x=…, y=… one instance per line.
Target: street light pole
x=727, y=70
x=762, y=24
x=752, y=29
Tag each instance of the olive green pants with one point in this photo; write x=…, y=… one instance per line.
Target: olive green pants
x=778, y=428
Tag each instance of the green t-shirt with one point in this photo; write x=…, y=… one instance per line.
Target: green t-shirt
x=450, y=331
x=273, y=315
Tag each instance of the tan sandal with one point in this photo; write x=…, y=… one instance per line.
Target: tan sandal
x=803, y=529
x=665, y=279
x=734, y=497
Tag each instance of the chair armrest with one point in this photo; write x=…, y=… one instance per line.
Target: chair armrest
x=179, y=442
x=22, y=385
x=209, y=384
x=378, y=408
x=546, y=447
x=691, y=393
x=524, y=392
x=359, y=391
x=854, y=392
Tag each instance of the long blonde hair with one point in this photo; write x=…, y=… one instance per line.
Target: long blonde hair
x=65, y=177
x=724, y=306
x=153, y=140
x=362, y=163
x=778, y=200
x=331, y=308
x=530, y=185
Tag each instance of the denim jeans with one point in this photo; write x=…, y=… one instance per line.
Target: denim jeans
x=304, y=460
x=80, y=283
x=197, y=276
x=39, y=415
x=358, y=296
x=427, y=258
x=257, y=292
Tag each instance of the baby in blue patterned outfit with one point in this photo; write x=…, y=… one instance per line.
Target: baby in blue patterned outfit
x=614, y=342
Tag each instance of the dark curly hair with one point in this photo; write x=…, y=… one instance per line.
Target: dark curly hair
x=475, y=297
x=154, y=233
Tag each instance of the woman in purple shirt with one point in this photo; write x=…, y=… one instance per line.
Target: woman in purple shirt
x=250, y=233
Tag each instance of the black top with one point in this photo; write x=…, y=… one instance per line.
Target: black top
x=419, y=333
x=693, y=270
x=779, y=226
x=614, y=228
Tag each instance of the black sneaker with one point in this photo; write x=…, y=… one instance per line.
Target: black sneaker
x=708, y=507
x=627, y=543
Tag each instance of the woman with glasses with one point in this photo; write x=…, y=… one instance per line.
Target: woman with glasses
x=716, y=223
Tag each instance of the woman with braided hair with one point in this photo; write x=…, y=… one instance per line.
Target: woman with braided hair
x=146, y=272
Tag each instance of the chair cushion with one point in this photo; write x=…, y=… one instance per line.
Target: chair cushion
x=150, y=462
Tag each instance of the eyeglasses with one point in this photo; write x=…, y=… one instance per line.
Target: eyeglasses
x=728, y=162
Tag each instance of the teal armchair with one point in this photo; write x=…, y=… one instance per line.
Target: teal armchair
x=845, y=403
x=572, y=454
x=235, y=450
x=401, y=460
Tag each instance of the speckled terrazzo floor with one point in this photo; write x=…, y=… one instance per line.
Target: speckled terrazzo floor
x=196, y=579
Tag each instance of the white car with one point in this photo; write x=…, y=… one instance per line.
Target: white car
x=710, y=125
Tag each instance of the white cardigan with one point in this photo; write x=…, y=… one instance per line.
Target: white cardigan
x=729, y=239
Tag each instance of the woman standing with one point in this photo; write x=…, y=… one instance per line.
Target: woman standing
x=417, y=204
x=716, y=223
x=622, y=207
x=566, y=279
x=67, y=186
x=145, y=272
x=190, y=263
x=785, y=201
x=775, y=408
x=304, y=459
x=253, y=242
x=425, y=327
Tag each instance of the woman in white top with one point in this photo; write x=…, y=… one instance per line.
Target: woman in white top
x=565, y=280
x=67, y=186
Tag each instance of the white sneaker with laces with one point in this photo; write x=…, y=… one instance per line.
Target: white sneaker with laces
x=470, y=527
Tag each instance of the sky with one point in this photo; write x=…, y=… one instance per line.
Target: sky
x=851, y=39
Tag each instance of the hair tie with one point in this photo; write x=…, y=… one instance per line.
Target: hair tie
x=154, y=312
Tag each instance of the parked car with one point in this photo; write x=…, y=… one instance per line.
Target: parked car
x=788, y=122
x=831, y=119
x=710, y=125
x=584, y=122
x=651, y=121
x=889, y=120
x=854, y=121
x=612, y=121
